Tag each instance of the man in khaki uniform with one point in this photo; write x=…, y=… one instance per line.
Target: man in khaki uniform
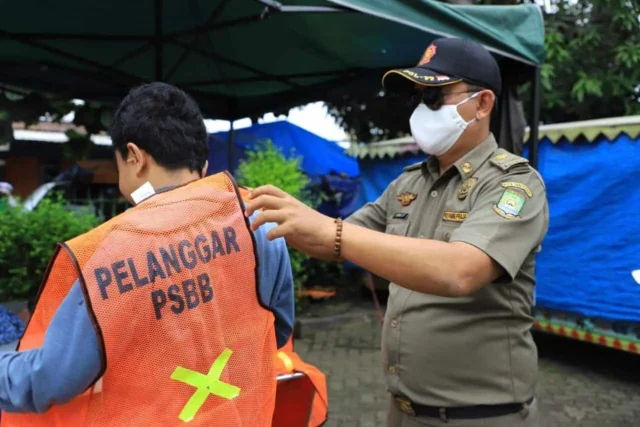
x=460, y=235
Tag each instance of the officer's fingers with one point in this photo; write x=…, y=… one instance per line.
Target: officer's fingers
x=264, y=217
x=269, y=189
x=264, y=202
x=279, y=231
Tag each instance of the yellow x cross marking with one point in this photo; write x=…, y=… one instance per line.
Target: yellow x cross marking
x=205, y=385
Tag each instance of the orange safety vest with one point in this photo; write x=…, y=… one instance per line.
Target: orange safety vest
x=171, y=286
x=301, y=400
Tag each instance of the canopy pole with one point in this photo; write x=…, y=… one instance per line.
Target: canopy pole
x=158, y=39
x=535, y=119
x=231, y=146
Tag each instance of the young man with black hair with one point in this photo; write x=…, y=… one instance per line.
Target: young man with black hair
x=162, y=315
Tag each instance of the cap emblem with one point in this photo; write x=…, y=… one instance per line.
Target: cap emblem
x=428, y=54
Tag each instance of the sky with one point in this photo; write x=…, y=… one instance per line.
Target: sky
x=313, y=117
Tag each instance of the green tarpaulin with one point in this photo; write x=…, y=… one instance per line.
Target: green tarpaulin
x=242, y=57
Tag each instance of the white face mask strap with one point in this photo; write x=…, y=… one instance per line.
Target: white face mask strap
x=469, y=98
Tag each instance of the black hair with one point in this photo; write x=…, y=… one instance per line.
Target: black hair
x=163, y=121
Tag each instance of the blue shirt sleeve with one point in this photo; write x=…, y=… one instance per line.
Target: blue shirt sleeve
x=67, y=363
x=69, y=360
x=276, y=281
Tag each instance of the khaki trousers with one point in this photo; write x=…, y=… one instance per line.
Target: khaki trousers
x=528, y=417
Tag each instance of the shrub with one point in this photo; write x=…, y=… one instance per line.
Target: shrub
x=266, y=164
x=28, y=242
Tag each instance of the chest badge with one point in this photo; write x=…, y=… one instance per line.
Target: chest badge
x=466, y=188
x=466, y=167
x=406, y=199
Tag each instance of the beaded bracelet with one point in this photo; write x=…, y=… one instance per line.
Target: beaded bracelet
x=338, y=243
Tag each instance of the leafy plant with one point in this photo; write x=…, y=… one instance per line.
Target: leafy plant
x=28, y=242
x=268, y=165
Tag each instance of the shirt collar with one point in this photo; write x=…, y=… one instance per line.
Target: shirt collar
x=470, y=162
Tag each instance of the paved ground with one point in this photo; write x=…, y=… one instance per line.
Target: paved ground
x=579, y=385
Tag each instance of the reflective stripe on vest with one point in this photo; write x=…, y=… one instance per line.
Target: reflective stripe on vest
x=205, y=385
x=288, y=363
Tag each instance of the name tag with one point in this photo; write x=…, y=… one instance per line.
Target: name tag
x=401, y=215
x=454, y=216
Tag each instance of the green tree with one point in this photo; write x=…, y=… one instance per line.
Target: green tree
x=592, y=71
x=593, y=60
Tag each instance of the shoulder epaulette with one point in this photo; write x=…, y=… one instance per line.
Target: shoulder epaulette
x=504, y=160
x=413, y=167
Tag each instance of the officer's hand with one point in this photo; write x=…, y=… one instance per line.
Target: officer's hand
x=305, y=229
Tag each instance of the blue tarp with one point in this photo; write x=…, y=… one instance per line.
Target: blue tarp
x=340, y=194
x=320, y=156
x=376, y=174
x=11, y=327
x=593, y=242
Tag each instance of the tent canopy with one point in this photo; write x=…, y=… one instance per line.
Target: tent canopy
x=243, y=57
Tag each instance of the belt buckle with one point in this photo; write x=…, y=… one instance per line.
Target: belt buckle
x=405, y=406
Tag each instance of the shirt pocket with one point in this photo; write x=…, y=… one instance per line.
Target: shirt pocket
x=452, y=217
x=397, y=228
x=445, y=230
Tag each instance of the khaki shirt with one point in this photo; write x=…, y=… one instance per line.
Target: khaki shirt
x=478, y=349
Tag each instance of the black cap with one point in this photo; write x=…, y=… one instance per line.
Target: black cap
x=447, y=61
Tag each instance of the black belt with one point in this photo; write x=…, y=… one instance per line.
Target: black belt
x=460, y=412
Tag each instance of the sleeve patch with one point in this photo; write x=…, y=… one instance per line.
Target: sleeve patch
x=510, y=204
x=519, y=185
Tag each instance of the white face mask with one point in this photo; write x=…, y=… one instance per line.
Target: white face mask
x=435, y=132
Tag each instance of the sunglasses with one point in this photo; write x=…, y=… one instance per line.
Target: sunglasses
x=433, y=97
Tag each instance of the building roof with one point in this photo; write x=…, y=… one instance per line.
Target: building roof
x=53, y=132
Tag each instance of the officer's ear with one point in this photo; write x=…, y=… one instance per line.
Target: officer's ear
x=138, y=158
x=486, y=101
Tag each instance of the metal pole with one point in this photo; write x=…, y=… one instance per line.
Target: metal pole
x=535, y=119
x=231, y=149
